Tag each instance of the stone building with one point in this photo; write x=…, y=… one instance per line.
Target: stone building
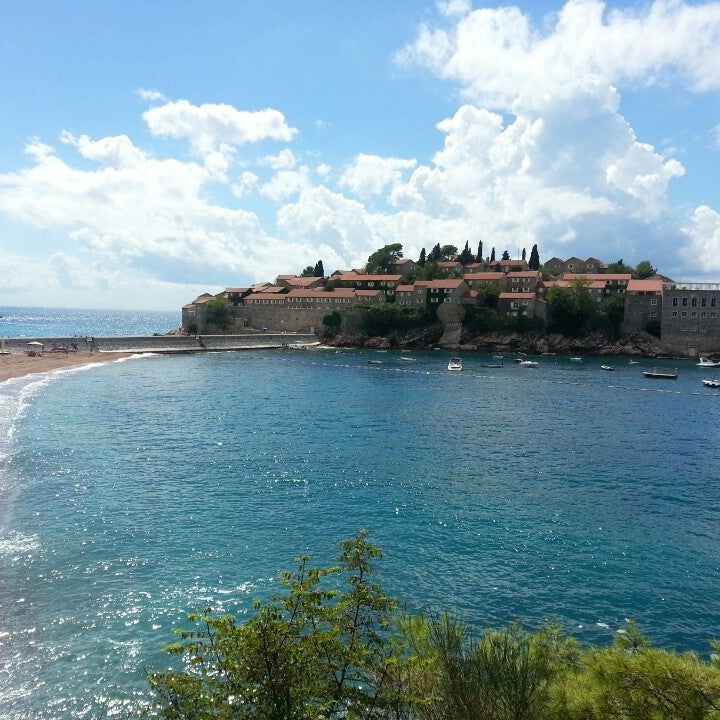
x=643, y=304
x=690, y=320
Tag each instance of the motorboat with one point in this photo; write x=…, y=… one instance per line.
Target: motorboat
x=707, y=362
x=455, y=364
x=661, y=374
x=575, y=359
x=492, y=365
x=712, y=384
x=633, y=362
x=406, y=359
x=609, y=368
x=374, y=362
x=529, y=363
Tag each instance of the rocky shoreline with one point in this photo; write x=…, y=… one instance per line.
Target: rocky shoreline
x=640, y=345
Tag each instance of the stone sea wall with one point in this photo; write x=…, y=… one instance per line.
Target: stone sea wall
x=167, y=343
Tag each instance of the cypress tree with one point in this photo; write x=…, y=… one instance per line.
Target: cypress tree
x=421, y=259
x=523, y=254
x=319, y=270
x=534, y=263
x=479, y=257
x=492, y=255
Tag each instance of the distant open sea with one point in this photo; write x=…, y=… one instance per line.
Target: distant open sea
x=62, y=322
x=136, y=491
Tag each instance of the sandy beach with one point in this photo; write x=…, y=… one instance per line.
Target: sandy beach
x=19, y=364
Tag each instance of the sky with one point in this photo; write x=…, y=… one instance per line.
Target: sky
x=155, y=151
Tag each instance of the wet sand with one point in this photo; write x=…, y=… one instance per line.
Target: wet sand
x=18, y=364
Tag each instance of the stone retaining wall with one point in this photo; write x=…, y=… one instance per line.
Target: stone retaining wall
x=167, y=343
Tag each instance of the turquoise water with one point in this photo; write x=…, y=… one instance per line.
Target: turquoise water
x=61, y=322
x=136, y=491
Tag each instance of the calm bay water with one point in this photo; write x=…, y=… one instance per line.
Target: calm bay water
x=134, y=492
x=62, y=322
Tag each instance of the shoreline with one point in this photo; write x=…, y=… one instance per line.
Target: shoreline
x=16, y=365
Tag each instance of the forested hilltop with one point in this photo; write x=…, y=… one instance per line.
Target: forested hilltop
x=332, y=645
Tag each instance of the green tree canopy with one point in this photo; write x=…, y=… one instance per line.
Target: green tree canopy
x=379, y=261
x=218, y=312
x=319, y=270
x=644, y=269
x=435, y=255
x=505, y=255
x=492, y=255
x=466, y=255
x=309, y=271
x=422, y=259
x=612, y=313
x=572, y=309
x=448, y=252
x=479, y=257
x=619, y=267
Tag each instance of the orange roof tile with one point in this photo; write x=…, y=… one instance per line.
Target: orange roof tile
x=645, y=286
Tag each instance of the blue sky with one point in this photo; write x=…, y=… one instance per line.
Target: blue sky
x=152, y=152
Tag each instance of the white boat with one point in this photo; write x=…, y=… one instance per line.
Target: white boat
x=609, y=368
x=528, y=363
x=633, y=362
x=712, y=384
x=575, y=359
x=455, y=364
x=707, y=362
x=407, y=359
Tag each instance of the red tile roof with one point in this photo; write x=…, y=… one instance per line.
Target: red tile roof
x=236, y=290
x=494, y=276
x=405, y=288
x=655, y=286
x=516, y=296
x=597, y=276
x=450, y=284
x=353, y=277
x=532, y=274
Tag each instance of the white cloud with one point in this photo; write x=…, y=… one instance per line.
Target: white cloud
x=284, y=160
x=217, y=127
x=369, y=174
x=323, y=170
x=496, y=54
x=286, y=183
x=703, y=249
x=245, y=184
x=454, y=8
x=117, y=151
x=151, y=95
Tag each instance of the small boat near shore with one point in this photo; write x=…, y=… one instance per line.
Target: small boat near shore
x=715, y=384
x=455, y=364
x=374, y=362
x=608, y=368
x=492, y=365
x=707, y=362
x=575, y=359
x=529, y=364
x=661, y=374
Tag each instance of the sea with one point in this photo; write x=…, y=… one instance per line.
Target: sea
x=134, y=492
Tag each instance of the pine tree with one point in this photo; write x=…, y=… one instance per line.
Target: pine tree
x=479, y=257
x=435, y=254
x=534, y=263
x=421, y=259
x=492, y=255
x=505, y=255
x=466, y=256
x=318, y=270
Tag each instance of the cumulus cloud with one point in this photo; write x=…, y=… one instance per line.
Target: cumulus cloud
x=369, y=174
x=245, y=184
x=703, y=247
x=286, y=183
x=284, y=160
x=217, y=127
x=497, y=54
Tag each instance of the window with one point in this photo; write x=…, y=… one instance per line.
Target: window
x=683, y=313
x=653, y=301
x=712, y=302
x=693, y=302
x=693, y=328
x=693, y=314
x=675, y=302
x=703, y=328
x=712, y=313
x=674, y=313
x=703, y=313
x=683, y=328
x=653, y=314
x=703, y=302
x=684, y=302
